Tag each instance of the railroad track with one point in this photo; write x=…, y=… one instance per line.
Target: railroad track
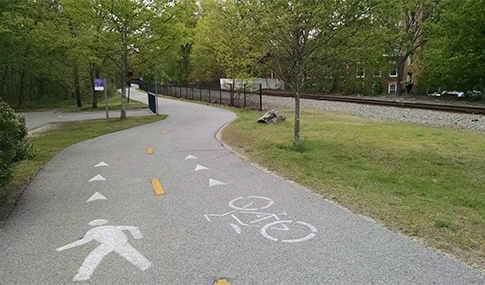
x=410, y=105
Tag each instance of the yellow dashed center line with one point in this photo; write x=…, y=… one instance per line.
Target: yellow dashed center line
x=157, y=187
x=222, y=282
x=190, y=122
x=150, y=150
x=164, y=132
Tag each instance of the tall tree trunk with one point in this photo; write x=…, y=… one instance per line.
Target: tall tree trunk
x=400, y=74
x=296, y=141
x=2, y=82
x=95, y=74
x=77, y=92
x=123, y=77
x=21, y=88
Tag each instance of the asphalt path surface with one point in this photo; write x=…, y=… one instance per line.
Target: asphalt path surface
x=220, y=218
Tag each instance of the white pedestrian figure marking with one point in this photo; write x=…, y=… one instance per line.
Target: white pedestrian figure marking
x=111, y=238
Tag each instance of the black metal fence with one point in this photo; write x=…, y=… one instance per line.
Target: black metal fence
x=236, y=97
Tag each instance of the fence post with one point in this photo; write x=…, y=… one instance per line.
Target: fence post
x=220, y=94
x=260, y=97
x=244, y=95
x=209, y=92
x=186, y=93
x=231, y=94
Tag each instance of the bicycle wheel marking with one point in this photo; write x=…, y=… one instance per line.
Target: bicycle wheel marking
x=270, y=225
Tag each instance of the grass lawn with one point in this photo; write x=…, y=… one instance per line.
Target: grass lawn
x=49, y=143
x=425, y=182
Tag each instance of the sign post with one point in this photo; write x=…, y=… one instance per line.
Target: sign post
x=100, y=85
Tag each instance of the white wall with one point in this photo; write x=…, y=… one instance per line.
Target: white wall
x=266, y=83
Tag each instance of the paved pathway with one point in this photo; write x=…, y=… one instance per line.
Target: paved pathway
x=93, y=215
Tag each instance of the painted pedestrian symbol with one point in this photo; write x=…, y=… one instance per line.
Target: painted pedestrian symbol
x=248, y=212
x=111, y=238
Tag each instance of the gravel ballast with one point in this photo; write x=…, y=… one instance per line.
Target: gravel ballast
x=469, y=122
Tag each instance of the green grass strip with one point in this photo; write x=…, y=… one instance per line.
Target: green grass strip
x=426, y=182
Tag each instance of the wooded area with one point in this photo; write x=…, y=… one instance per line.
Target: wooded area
x=51, y=50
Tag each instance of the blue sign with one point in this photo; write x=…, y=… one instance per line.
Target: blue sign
x=98, y=84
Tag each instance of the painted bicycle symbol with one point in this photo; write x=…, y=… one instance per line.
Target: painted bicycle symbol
x=248, y=212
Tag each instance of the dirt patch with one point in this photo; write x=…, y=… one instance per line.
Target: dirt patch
x=36, y=132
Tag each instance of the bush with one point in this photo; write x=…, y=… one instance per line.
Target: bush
x=13, y=147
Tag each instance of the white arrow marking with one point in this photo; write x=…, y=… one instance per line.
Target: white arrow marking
x=96, y=196
x=200, y=167
x=213, y=182
x=97, y=178
x=102, y=163
x=191, y=157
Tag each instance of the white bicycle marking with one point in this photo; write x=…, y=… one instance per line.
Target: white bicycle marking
x=249, y=216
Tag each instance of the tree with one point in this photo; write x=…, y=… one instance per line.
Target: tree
x=127, y=28
x=223, y=46
x=455, y=57
x=32, y=56
x=293, y=32
x=404, y=26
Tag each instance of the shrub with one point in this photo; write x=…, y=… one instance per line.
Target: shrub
x=13, y=147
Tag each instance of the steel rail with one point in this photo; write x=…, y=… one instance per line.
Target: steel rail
x=400, y=104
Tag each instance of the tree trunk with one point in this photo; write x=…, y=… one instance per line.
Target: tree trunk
x=296, y=141
x=21, y=88
x=2, y=82
x=77, y=91
x=400, y=74
x=124, y=62
x=95, y=74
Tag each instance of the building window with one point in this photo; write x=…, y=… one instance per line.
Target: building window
x=378, y=74
x=412, y=19
x=393, y=72
x=392, y=88
x=410, y=77
x=360, y=72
